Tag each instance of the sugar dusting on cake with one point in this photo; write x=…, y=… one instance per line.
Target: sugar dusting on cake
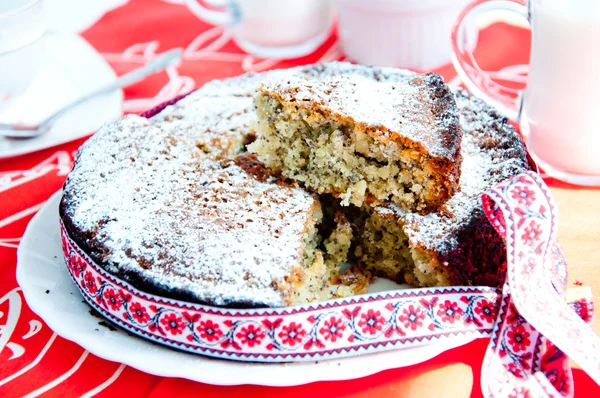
x=220, y=126
x=189, y=224
x=218, y=116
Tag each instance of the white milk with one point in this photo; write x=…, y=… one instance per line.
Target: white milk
x=562, y=100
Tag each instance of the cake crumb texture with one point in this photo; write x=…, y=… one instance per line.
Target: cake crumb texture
x=362, y=141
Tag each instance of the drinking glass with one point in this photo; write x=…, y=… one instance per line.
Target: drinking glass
x=559, y=110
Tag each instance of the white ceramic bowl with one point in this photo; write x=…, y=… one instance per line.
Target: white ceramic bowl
x=412, y=34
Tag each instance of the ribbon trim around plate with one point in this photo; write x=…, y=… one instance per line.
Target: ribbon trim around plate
x=333, y=329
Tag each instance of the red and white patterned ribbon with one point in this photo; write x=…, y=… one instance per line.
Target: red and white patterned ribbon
x=535, y=327
x=333, y=329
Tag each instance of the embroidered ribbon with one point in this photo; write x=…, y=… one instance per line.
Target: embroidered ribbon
x=333, y=329
x=535, y=325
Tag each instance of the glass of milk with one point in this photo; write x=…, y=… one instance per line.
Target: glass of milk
x=270, y=28
x=21, y=47
x=559, y=111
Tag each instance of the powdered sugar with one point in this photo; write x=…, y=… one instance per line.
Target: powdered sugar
x=218, y=125
x=218, y=115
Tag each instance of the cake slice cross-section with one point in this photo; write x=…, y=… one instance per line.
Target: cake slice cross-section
x=363, y=141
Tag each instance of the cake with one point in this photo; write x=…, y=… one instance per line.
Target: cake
x=174, y=206
x=455, y=245
x=395, y=141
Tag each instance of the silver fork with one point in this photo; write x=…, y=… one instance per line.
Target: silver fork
x=20, y=131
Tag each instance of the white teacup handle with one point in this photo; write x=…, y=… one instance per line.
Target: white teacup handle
x=208, y=15
x=505, y=99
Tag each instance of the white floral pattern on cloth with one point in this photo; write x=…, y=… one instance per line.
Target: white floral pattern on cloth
x=536, y=327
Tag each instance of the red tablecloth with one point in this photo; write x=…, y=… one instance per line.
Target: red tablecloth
x=35, y=360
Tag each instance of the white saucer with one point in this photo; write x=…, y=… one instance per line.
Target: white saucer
x=70, y=68
x=50, y=293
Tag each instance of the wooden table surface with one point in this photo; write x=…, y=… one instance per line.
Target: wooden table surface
x=579, y=235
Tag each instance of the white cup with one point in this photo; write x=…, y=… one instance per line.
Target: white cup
x=21, y=27
x=411, y=34
x=271, y=28
x=559, y=111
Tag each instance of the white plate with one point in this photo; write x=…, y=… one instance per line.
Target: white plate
x=70, y=69
x=41, y=267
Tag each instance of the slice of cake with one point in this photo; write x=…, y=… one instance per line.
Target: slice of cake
x=457, y=245
x=142, y=205
x=361, y=141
